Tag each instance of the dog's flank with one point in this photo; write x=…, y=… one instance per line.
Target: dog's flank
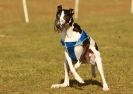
x=79, y=48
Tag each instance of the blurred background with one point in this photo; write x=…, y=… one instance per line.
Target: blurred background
x=11, y=12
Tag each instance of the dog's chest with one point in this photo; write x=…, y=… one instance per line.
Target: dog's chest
x=70, y=35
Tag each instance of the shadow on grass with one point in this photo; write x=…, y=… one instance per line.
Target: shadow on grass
x=77, y=85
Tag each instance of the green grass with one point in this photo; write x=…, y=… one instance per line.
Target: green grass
x=31, y=56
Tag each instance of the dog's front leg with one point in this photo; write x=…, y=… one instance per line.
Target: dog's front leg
x=66, y=80
x=66, y=68
x=77, y=65
x=72, y=69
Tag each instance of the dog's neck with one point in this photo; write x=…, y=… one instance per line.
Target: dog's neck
x=69, y=34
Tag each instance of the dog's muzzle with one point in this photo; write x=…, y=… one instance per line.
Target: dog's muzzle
x=58, y=27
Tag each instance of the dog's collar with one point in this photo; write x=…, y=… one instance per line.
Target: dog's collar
x=69, y=46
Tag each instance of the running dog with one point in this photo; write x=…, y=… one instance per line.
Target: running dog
x=79, y=48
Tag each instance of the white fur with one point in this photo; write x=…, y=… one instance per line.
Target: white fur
x=62, y=21
x=70, y=36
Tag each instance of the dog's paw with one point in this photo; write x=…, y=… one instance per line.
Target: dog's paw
x=81, y=82
x=59, y=85
x=105, y=87
x=79, y=79
x=55, y=86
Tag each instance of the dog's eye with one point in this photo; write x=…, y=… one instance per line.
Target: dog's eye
x=66, y=17
x=58, y=16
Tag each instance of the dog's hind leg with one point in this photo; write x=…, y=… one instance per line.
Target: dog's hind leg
x=66, y=80
x=90, y=59
x=93, y=70
x=100, y=68
x=93, y=64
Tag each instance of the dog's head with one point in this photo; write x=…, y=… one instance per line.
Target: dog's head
x=64, y=17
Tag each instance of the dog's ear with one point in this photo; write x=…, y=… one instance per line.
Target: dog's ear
x=71, y=11
x=59, y=8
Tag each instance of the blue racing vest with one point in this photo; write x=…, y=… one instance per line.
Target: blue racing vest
x=70, y=45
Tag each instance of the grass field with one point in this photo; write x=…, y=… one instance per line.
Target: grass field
x=31, y=56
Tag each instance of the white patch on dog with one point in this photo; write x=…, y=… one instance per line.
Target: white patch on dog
x=62, y=21
x=70, y=36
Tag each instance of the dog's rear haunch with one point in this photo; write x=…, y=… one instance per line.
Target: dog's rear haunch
x=79, y=48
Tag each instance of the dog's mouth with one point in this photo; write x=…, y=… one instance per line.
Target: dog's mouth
x=59, y=27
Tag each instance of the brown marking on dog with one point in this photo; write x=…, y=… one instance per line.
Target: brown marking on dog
x=85, y=57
